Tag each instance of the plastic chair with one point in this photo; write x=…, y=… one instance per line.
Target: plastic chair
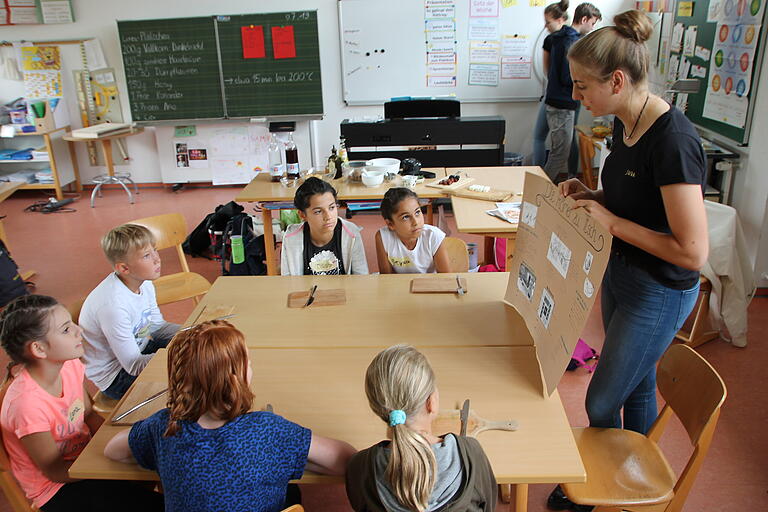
x=13, y=493
x=457, y=254
x=627, y=470
x=170, y=230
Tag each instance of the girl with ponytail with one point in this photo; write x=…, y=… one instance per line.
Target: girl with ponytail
x=210, y=451
x=47, y=417
x=416, y=471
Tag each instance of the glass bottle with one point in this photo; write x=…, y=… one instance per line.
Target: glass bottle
x=275, y=158
x=291, y=158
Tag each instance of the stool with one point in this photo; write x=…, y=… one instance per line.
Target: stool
x=119, y=179
x=700, y=316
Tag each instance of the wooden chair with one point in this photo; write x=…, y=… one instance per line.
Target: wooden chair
x=170, y=230
x=699, y=319
x=457, y=254
x=294, y=508
x=13, y=493
x=626, y=470
x=586, y=157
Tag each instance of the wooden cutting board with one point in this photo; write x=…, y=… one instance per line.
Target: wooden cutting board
x=495, y=195
x=436, y=285
x=450, y=421
x=138, y=393
x=332, y=297
x=463, y=181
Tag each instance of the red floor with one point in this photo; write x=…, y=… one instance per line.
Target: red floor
x=64, y=250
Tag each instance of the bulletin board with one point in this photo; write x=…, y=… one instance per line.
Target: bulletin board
x=726, y=56
x=477, y=50
x=221, y=67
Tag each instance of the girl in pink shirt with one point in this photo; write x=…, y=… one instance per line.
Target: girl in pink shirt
x=47, y=416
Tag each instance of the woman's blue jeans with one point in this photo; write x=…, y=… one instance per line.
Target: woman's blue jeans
x=641, y=317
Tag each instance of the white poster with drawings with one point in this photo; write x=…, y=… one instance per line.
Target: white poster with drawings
x=224, y=153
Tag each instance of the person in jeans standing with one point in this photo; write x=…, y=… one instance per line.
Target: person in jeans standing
x=560, y=107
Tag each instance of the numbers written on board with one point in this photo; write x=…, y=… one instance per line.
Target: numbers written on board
x=298, y=16
x=272, y=78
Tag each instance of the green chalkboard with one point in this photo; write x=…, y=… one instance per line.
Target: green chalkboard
x=197, y=68
x=706, y=34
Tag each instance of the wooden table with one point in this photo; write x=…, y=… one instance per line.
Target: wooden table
x=470, y=213
x=262, y=190
x=315, y=365
x=106, y=147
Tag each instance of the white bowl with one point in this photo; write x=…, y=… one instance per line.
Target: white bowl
x=373, y=178
x=391, y=165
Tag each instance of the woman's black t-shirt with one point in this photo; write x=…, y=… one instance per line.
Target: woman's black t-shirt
x=669, y=152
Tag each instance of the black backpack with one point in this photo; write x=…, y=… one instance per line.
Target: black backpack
x=253, y=247
x=203, y=241
x=11, y=283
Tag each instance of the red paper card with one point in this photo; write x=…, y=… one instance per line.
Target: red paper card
x=283, y=44
x=253, y=42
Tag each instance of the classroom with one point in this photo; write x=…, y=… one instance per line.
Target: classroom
x=291, y=144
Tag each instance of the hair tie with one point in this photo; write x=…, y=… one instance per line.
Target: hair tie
x=396, y=417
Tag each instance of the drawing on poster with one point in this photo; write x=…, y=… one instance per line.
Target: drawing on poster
x=529, y=214
x=589, y=288
x=559, y=255
x=526, y=281
x=588, y=262
x=546, y=307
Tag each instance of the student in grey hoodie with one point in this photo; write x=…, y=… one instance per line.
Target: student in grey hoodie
x=416, y=471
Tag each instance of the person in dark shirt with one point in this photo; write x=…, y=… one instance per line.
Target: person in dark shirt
x=652, y=204
x=560, y=108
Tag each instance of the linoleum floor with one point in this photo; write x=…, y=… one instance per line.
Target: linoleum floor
x=64, y=250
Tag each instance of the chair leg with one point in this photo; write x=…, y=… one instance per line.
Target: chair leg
x=521, y=498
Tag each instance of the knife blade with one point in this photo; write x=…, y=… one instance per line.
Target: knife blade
x=460, y=289
x=224, y=317
x=311, y=297
x=140, y=405
x=464, y=416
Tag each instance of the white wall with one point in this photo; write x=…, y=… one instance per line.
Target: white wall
x=96, y=18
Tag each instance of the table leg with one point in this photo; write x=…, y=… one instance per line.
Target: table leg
x=488, y=256
x=510, y=251
x=505, y=492
x=73, y=157
x=269, y=244
x=430, y=214
x=521, y=498
x=106, y=146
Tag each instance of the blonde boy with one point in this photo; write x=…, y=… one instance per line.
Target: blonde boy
x=121, y=322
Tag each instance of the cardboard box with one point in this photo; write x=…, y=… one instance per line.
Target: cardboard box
x=560, y=257
x=55, y=117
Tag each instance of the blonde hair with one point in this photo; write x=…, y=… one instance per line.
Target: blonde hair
x=619, y=47
x=207, y=372
x=119, y=241
x=400, y=378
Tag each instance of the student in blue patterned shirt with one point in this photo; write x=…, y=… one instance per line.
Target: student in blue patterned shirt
x=210, y=451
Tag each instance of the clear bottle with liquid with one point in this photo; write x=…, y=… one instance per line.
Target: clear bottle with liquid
x=275, y=151
x=291, y=158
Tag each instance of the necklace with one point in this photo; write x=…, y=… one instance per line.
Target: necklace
x=628, y=137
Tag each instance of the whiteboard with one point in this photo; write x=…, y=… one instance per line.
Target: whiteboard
x=386, y=45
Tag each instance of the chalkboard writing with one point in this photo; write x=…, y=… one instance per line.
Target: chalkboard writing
x=175, y=68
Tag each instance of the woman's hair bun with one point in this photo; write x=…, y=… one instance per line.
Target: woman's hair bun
x=634, y=25
x=564, y=5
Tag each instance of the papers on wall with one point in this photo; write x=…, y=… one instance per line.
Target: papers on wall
x=440, y=32
x=516, y=57
x=56, y=11
x=690, y=41
x=483, y=28
x=94, y=54
x=484, y=74
x=731, y=62
x=484, y=52
x=677, y=38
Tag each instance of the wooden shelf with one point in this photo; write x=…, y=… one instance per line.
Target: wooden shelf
x=32, y=161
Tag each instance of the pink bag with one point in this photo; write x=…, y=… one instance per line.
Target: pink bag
x=581, y=354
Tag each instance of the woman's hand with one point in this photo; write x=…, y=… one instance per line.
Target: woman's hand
x=575, y=189
x=598, y=212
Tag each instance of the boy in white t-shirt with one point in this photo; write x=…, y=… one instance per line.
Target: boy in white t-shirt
x=406, y=245
x=121, y=323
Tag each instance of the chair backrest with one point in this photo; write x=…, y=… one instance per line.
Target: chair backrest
x=457, y=254
x=13, y=493
x=294, y=508
x=170, y=230
x=694, y=391
x=74, y=310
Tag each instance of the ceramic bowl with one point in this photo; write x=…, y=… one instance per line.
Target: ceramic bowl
x=373, y=178
x=391, y=165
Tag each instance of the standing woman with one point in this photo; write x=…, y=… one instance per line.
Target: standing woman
x=652, y=204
